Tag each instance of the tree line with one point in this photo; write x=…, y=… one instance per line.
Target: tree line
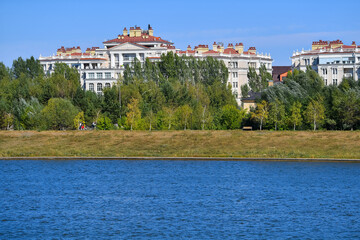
x=176, y=93
x=304, y=102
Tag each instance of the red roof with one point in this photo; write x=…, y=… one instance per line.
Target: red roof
x=211, y=52
x=230, y=51
x=137, y=39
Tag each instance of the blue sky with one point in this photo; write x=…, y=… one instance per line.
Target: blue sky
x=31, y=28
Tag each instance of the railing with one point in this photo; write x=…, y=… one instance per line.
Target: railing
x=348, y=75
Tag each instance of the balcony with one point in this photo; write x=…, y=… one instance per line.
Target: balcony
x=348, y=75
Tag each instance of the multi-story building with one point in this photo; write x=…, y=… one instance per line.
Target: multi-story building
x=101, y=67
x=236, y=59
x=332, y=60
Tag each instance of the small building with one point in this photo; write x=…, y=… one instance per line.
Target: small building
x=279, y=72
x=250, y=101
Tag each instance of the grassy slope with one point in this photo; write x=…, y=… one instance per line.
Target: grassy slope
x=330, y=144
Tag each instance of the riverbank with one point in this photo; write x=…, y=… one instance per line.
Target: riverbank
x=232, y=145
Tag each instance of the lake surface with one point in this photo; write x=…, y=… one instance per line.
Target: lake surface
x=179, y=200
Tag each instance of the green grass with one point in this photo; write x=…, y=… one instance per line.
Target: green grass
x=268, y=144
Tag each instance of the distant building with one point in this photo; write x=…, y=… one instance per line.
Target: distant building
x=101, y=67
x=279, y=72
x=249, y=101
x=236, y=60
x=331, y=59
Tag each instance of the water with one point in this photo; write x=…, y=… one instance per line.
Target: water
x=179, y=200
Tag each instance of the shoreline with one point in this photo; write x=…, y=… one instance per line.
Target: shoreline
x=187, y=159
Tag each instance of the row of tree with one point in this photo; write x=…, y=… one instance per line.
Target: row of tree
x=176, y=93
x=303, y=101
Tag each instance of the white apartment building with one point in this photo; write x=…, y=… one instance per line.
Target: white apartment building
x=332, y=60
x=101, y=67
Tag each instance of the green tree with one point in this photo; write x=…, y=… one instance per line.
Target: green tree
x=245, y=90
x=59, y=114
x=104, y=123
x=315, y=112
x=183, y=115
x=231, y=117
x=258, y=82
x=277, y=113
x=295, y=117
x=134, y=114
x=261, y=113
x=79, y=119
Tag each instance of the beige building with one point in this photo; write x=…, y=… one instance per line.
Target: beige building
x=332, y=60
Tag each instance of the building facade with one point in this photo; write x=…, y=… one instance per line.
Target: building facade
x=236, y=60
x=101, y=67
x=332, y=60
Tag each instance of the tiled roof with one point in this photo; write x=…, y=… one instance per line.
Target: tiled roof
x=137, y=39
x=211, y=52
x=230, y=51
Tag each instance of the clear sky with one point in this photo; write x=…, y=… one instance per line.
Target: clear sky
x=30, y=28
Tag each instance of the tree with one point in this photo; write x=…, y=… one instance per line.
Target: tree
x=245, y=90
x=79, y=119
x=261, y=113
x=150, y=118
x=277, y=113
x=133, y=115
x=59, y=114
x=349, y=108
x=315, y=112
x=183, y=114
x=295, y=114
x=258, y=82
x=169, y=116
x=104, y=123
x=231, y=117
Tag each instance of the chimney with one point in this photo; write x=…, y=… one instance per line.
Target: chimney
x=215, y=46
x=353, y=44
x=188, y=48
x=125, y=32
x=230, y=45
x=239, y=47
x=252, y=50
x=132, y=32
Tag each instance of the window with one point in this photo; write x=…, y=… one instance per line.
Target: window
x=252, y=64
x=107, y=75
x=235, y=64
x=235, y=74
x=334, y=71
x=99, y=87
x=324, y=71
x=99, y=75
x=107, y=85
x=91, y=75
x=235, y=84
x=325, y=81
x=91, y=86
x=334, y=81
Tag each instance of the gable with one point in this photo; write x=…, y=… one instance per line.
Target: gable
x=128, y=46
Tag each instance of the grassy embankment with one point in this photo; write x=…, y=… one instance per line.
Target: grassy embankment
x=281, y=144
